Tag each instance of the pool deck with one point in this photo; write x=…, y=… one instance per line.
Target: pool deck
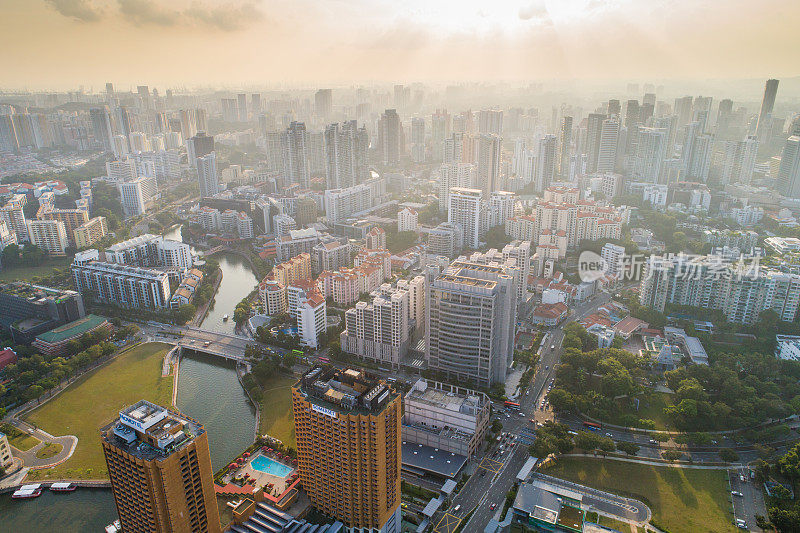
x=260, y=478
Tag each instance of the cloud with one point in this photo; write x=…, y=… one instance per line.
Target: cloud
x=533, y=10
x=226, y=18
x=81, y=10
x=146, y=12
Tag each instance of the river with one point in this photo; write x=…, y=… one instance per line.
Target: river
x=85, y=510
x=208, y=390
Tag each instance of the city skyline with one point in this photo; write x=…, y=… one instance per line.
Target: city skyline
x=349, y=42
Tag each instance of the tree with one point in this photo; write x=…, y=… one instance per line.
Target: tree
x=728, y=455
x=289, y=359
x=185, y=313
x=628, y=447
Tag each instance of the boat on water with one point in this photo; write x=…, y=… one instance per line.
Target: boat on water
x=63, y=487
x=114, y=528
x=28, y=491
x=225, y=318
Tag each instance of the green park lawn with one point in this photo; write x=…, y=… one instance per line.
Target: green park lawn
x=276, y=410
x=94, y=400
x=682, y=500
x=28, y=273
x=651, y=407
x=19, y=440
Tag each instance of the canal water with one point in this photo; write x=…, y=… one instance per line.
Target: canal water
x=208, y=390
x=85, y=510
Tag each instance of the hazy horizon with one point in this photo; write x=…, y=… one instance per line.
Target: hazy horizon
x=64, y=44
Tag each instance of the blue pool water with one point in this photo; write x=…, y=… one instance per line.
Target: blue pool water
x=270, y=466
x=290, y=331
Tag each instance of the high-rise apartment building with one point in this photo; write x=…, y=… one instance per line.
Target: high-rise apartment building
x=454, y=175
x=594, y=128
x=160, y=470
x=788, y=180
x=349, y=447
x=207, y=175
x=740, y=292
x=607, y=150
x=390, y=137
x=490, y=122
x=649, y=154
x=323, y=103
x=471, y=312
x=345, y=148
x=49, y=235
x=565, y=142
x=90, y=232
x=546, y=162
x=136, y=194
x=378, y=331
x=488, y=164
x=466, y=210
x=294, y=147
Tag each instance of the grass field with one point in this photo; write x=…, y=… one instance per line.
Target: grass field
x=51, y=449
x=652, y=408
x=682, y=500
x=95, y=400
x=276, y=410
x=18, y=439
x=30, y=272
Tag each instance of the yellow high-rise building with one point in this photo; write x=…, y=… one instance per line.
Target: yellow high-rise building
x=160, y=469
x=347, y=425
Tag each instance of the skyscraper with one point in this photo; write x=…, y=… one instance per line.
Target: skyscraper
x=345, y=148
x=546, y=162
x=466, y=209
x=198, y=146
x=101, y=125
x=207, y=176
x=390, y=136
x=490, y=122
x=767, y=103
x=418, y=140
x=323, y=103
x=650, y=154
x=594, y=127
x=565, y=140
x=788, y=180
x=294, y=147
x=349, y=446
x=488, y=164
x=160, y=469
x=607, y=151
x=241, y=107
x=471, y=313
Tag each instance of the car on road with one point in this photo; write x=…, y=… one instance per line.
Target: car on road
x=493, y=507
x=653, y=441
x=457, y=508
x=609, y=435
x=741, y=524
x=552, y=346
x=547, y=367
x=737, y=493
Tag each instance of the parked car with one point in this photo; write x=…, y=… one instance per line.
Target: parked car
x=493, y=507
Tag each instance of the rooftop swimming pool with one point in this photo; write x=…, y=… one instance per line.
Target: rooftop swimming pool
x=270, y=466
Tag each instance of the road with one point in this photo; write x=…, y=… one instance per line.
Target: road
x=751, y=501
x=497, y=471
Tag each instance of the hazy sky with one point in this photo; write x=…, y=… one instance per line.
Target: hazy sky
x=65, y=43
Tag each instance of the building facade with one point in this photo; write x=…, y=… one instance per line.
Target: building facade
x=348, y=428
x=160, y=470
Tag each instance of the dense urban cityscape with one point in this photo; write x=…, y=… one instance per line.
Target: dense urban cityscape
x=400, y=300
